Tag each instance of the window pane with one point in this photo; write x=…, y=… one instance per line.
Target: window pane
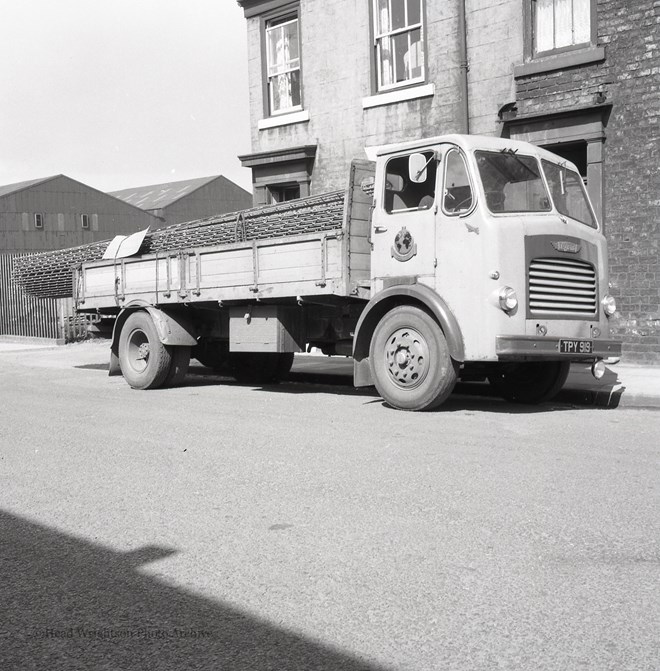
x=294, y=84
x=386, y=61
x=512, y=183
x=544, y=27
x=401, y=194
x=400, y=46
x=568, y=193
x=563, y=23
x=458, y=194
x=272, y=39
x=382, y=17
x=401, y=57
x=398, y=14
x=283, y=48
x=285, y=91
x=280, y=194
x=290, y=40
x=414, y=58
x=581, y=21
x=414, y=12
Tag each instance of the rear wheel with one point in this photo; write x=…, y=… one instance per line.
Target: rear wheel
x=529, y=382
x=145, y=361
x=410, y=361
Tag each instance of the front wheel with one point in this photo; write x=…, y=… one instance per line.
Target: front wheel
x=529, y=382
x=145, y=361
x=410, y=361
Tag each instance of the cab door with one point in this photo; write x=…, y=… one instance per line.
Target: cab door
x=403, y=223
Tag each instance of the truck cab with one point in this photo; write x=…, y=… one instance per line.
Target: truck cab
x=497, y=243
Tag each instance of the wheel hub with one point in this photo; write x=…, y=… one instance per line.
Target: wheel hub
x=139, y=351
x=402, y=357
x=143, y=351
x=407, y=356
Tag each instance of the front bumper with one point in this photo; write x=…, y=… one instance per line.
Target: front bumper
x=546, y=349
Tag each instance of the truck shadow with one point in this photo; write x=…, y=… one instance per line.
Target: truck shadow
x=466, y=395
x=67, y=603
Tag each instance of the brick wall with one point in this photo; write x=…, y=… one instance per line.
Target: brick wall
x=630, y=79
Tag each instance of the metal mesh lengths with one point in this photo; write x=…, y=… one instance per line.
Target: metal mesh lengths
x=50, y=274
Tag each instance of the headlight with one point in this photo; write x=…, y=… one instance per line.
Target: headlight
x=609, y=305
x=508, y=299
x=598, y=369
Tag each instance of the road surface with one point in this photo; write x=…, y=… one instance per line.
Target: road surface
x=307, y=526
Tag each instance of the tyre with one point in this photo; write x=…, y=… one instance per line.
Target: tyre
x=145, y=361
x=410, y=361
x=529, y=382
x=178, y=367
x=260, y=367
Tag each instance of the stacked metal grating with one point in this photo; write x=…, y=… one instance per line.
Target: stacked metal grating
x=50, y=274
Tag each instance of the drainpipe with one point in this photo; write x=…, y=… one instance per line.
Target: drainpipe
x=464, y=66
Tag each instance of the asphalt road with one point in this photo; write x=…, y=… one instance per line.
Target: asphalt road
x=307, y=526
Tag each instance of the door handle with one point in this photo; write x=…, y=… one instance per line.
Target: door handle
x=380, y=229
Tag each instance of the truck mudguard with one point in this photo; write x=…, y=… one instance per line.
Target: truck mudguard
x=172, y=327
x=408, y=294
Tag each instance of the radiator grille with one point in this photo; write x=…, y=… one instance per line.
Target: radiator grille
x=562, y=286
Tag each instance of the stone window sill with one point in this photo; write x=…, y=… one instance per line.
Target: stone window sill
x=568, y=59
x=284, y=120
x=400, y=95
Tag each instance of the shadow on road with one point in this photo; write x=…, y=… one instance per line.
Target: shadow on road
x=66, y=603
x=466, y=396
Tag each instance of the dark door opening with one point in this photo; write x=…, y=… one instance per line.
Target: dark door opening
x=574, y=152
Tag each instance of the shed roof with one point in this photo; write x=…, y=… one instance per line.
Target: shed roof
x=158, y=196
x=19, y=186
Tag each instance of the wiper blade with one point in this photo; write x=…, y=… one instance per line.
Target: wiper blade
x=513, y=153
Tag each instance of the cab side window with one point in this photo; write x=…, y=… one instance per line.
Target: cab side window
x=457, y=196
x=402, y=194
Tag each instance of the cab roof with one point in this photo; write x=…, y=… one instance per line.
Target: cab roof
x=466, y=142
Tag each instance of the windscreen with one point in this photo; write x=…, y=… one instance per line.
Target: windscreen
x=568, y=194
x=512, y=183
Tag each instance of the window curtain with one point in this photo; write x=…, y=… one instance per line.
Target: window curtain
x=283, y=66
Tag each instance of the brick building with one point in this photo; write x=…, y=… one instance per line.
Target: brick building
x=580, y=77
x=599, y=103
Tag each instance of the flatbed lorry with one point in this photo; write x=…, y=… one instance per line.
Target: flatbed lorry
x=455, y=257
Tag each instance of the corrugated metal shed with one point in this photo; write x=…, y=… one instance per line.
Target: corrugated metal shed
x=8, y=189
x=160, y=196
x=185, y=200
x=58, y=212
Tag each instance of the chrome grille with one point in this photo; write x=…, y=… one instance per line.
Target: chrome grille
x=562, y=286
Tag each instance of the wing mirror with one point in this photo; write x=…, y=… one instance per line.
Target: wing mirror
x=417, y=164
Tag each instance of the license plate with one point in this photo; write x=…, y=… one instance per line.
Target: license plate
x=576, y=346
